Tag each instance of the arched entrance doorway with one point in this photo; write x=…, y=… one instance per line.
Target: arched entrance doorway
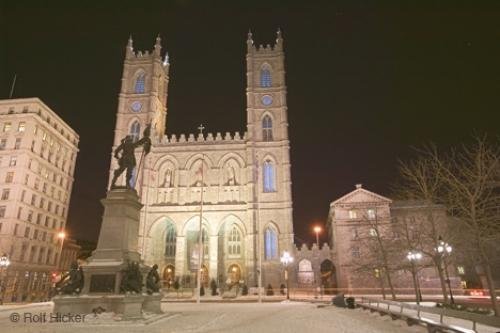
x=168, y=276
x=328, y=278
x=234, y=274
x=204, y=276
x=305, y=276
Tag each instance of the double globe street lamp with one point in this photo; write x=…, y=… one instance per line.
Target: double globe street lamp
x=413, y=257
x=286, y=259
x=444, y=249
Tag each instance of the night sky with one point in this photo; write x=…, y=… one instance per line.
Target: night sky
x=365, y=83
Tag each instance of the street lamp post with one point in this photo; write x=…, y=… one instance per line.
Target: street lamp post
x=413, y=257
x=287, y=259
x=317, y=230
x=445, y=249
x=61, y=235
x=4, y=264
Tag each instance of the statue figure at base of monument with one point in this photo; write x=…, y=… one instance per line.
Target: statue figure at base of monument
x=126, y=161
x=152, y=280
x=131, y=278
x=71, y=282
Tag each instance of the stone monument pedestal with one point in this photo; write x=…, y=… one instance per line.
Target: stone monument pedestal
x=116, y=248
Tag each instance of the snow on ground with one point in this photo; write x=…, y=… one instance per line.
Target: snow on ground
x=224, y=317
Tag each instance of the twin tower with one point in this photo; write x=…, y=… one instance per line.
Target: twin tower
x=247, y=219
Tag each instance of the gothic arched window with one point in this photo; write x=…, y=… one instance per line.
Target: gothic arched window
x=265, y=78
x=270, y=243
x=139, y=84
x=170, y=241
x=234, y=242
x=267, y=129
x=135, y=130
x=269, y=176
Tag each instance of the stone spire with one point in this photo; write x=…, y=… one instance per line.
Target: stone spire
x=157, y=50
x=166, y=60
x=129, y=52
x=249, y=40
x=279, y=39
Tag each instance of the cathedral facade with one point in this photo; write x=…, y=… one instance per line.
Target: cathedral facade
x=237, y=184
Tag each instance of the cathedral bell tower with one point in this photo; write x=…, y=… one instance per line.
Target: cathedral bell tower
x=266, y=91
x=143, y=95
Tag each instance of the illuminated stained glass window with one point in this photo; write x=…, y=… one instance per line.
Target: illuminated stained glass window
x=265, y=78
x=139, y=84
x=270, y=244
x=170, y=240
x=267, y=129
x=234, y=242
x=135, y=130
x=269, y=176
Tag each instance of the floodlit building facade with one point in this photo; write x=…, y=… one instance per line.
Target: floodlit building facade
x=242, y=179
x=37, y=161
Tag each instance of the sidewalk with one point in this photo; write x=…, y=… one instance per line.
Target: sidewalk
x=15, y=306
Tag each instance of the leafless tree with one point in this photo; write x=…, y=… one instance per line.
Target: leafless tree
x=466, y=180
x=420, y=186
x=374, y=240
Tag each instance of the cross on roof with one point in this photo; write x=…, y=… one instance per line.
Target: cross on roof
x=201, y=128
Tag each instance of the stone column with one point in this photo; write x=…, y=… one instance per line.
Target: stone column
x=213, y=251
x=180, y=256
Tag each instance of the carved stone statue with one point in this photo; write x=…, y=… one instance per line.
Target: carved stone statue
x=126, y=161
x=131, y=278
x=152, y=280
x=71, y=282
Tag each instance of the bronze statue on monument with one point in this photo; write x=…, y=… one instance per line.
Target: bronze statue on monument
x=126, y=161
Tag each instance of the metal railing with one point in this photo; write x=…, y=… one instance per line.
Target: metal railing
x=399, y=308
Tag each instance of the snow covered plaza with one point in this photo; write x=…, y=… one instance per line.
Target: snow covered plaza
x=221, y=317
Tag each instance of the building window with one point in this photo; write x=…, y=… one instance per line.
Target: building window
x=270, y=244
x=267, y=129
x=2, y=211
x=21, y=127
x=17, y=145
x=3, y=143
x=352, y=214
x=16, y=227
x=234, y=242
x=27, y=232
x=139, y=84
x=373, y=232
x=13, y=161
x=355, y=234
x=9, y=177
x=355, y=252
x=33, y=199
x=265, y=78
x=461, y=270
x=170, y=241
x=135, y=130
x=371, y=213
x=6, y=127
x=30, y=216
x=5, y=194
x=269, y=176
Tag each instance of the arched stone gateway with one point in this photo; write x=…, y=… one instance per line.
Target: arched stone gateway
x=305, y=275
x=328, y=277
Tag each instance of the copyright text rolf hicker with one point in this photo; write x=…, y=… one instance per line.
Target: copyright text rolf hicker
x=43, y=317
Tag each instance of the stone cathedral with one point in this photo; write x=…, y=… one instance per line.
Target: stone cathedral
x=240, y=181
